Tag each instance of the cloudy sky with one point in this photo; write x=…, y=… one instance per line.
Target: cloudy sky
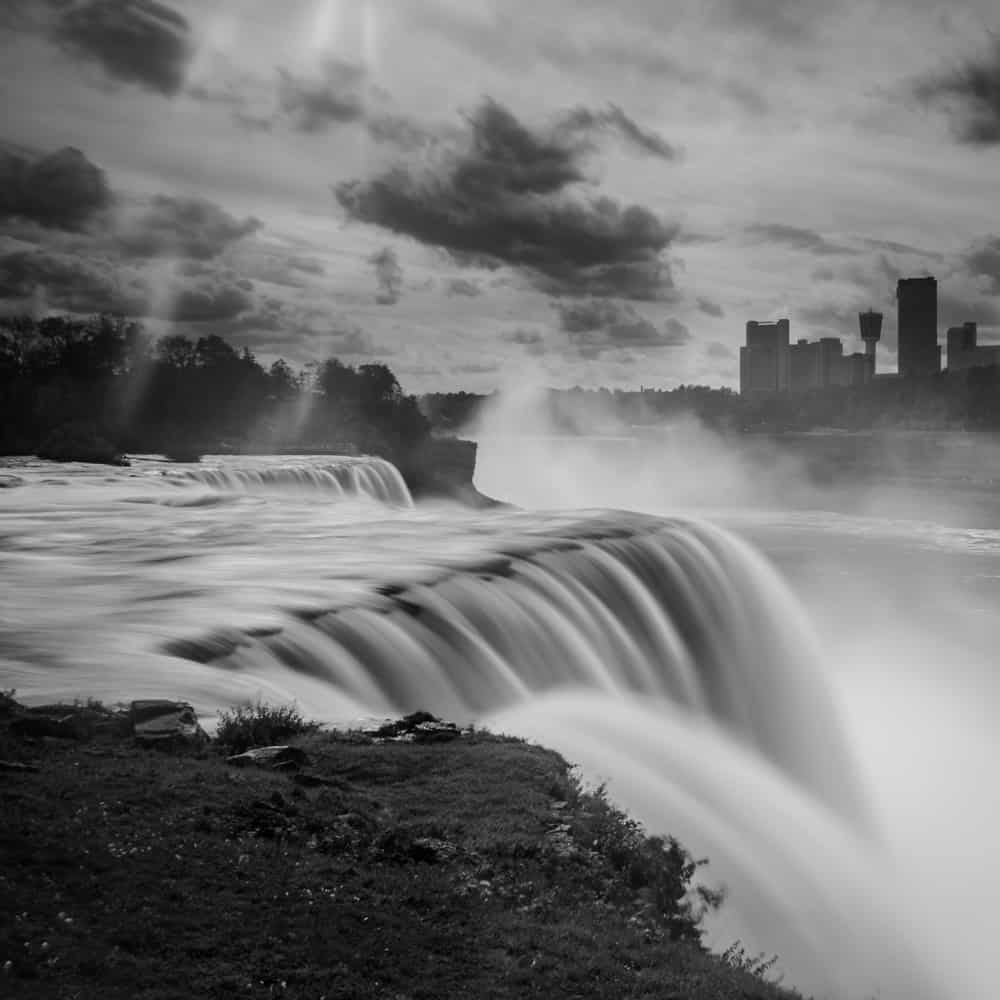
x=470, y=190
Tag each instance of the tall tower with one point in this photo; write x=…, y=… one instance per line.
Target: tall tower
x=919, y=353
x=871, y=332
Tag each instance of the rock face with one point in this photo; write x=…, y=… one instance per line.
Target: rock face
x=158, y=720
x=444, y=467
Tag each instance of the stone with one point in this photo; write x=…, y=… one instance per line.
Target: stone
x=281, y=758
x=157, y=720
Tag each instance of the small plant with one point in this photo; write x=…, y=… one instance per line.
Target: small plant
x=259, y=725
x=760, y=967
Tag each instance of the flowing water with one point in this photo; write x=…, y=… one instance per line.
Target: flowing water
x=817, y=720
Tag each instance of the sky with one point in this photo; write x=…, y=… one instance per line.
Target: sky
x=477, y=192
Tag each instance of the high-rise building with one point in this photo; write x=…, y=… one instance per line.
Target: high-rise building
x=919, y=353
x=964, y=351
x=764, y=361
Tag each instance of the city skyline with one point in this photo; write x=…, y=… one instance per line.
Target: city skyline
x=479, y=191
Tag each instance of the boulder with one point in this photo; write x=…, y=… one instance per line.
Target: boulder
x=278, y=758
x=158, y=720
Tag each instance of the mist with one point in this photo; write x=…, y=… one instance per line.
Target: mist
x=898, y=570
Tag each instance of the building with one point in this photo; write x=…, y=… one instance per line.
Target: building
x=870, y=324
x=764, y=361
x=919, y=353
x=769, y=364
x=964, y=351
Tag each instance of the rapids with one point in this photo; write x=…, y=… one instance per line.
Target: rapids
x=662, y=653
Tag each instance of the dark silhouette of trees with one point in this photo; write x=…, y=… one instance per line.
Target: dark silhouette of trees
x=103, y=379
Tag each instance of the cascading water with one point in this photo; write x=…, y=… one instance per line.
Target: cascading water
x=663, y=654
x=342, y=476
x=670, y=654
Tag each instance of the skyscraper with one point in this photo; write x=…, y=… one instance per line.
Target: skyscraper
x=764, y=361
x=919, y=353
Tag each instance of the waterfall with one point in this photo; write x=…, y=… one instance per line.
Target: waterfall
x=666, y=655
x=676, y=611
x=341, y=476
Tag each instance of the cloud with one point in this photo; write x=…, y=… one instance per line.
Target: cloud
x=61, y=281
x=62, y=190
x=600, y=325
x=461, y=286
x=531, y=340
x=388, y=276
x=781, y=20
x=509, y=196
x=716, y=349
x=333, y=99
x=205, y=301
x=134, y=41
x=613, y=119
x=982, y=261
x=183, y=227
x=710, y=308
x=795, y=237
x=970, y=94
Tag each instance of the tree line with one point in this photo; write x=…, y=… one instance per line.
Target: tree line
x=963, y=400
x=104, y=385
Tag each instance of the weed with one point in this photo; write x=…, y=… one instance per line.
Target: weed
x=259, y=725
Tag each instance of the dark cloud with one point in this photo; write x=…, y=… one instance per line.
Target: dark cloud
x=716, y=349
x=795, y=237
x=183, y=227
x=781, y=20
x=475, y=368
x=904, y=248
x=600, y=325
x=388, y=276
x=399, y=131
x=510, y=196
x=970, y=94
x=63, y=281
x=279, y=270
x=613, y=119
x=982, y=261
x=335, y=98
x=462, y=286
x=710, y=308
x=135, y=41
x=205, y=301
x=531, y=340
x=62, y=190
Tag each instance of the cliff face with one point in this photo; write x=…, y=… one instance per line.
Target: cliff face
x=444, y=467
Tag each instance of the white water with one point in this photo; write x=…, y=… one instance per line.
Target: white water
x=816, y=746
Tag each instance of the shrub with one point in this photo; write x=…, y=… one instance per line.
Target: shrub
x=760, y=967
x=260, y=725
x=658, y=869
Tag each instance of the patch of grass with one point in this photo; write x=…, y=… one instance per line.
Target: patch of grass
x=474, y=868
x=260, y=725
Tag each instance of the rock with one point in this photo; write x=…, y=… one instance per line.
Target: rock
x=280, y=758
x=418, y=727
x=36, y=725
x=158, y=720
x=8, y=481
x=435, y=732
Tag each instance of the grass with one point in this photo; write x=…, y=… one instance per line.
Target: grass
x=405, y=871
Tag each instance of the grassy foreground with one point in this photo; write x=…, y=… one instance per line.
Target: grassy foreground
x=476, y=867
